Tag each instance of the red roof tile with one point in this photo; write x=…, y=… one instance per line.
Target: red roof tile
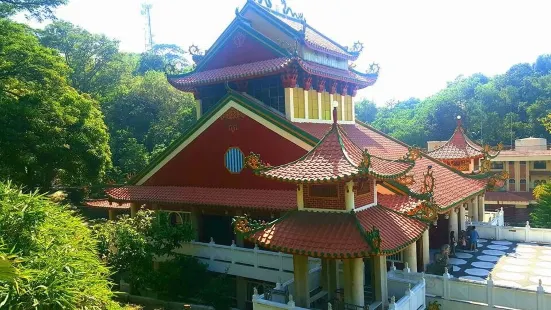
x=450, y=187
x=459, y=146
x=106, y=204
x=398, y=203
x=335, y=157
x=272, y=66
x=230, y=73
x=331, y=234
x=509, y=196
x=280, y=200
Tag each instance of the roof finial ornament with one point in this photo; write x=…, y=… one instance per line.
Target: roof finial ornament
x=458, y=120
x=335, y=105
x=373, y=68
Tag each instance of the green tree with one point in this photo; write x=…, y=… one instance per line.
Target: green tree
x=50, y=133
x=145, y=114
x=95, y=62
x=541, y=216
x=167, y=58
x=366, y=111
x=54, y=253
x=38, y=9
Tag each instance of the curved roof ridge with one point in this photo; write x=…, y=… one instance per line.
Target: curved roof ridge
x=459, y=146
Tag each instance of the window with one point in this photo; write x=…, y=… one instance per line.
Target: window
x=523, y=163
x=522, y=181
x=326, y=191
x=497, y=165
x=540, y=165
x=234, y=160
x=511, y=181
x=269, y=90
x=210, y=95
x=397, y=258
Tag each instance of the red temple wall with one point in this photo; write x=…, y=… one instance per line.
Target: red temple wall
x=202, y=164
x=240, y=48
x=336, y=203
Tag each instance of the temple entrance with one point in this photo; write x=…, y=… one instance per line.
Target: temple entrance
x=217, y=227
x=438, y=235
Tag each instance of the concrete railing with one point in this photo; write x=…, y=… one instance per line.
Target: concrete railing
x=519, y=234
x=260, y=303
x=406, y=290
x=250, y=263
x=481, y=292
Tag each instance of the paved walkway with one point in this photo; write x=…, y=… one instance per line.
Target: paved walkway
x=512, y=264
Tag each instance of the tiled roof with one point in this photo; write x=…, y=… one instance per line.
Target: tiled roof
x=230, y=73
x=279, y=200
x=398, y=203
x=330, y=234
x=336, y=157
x=458, y=147
x=266, y=67
x=509, y=196
x=450, y=187
x=337, y=74
x=106, y=204
x=525, y=152
x=313, y=38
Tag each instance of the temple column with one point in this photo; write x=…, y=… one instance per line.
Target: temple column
x=197, y=103
x=343, y=115
x=426, y=249
x=475, y=210
x=112, y=214
x=346, y=280
x=289, y=81
x=289, y=104
x=354, y=267
x=302, y=290
x=300, y=196
x=133, y=209
x=481, y=207
x=453, y=223
x=331, y=275
x=241, y=292
x=462, y=224
x=470, y=207
x=306, y=106
x=349, y=196
x=320, y=113
x=410, y=256
x=380, y=279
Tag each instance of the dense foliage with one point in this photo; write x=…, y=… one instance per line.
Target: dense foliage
x=52, y=261
x=541, y=215
x=130, y=245
x=513, y=105
x=51, y=134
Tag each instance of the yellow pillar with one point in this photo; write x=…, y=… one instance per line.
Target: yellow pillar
x=356, y=284
x=320, y=113
x=349, y=196
x=306, y=105
x=475, y=210
x=133, y=209
x=481, y=209
x=198, y=108
x=517, y=175
x=331, y=278
x=300, y=197
x=112, y=214
x=426, y=249
x=380, y=279
x=462, y=225
x=410, y=256
x=302, y=289
x=453, y=223
x=289, y=106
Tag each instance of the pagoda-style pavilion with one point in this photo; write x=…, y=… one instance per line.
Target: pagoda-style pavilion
x=337, y=216
x=270, y=85
x=462, y=154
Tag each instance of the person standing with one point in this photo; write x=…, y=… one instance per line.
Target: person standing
x=453, y=243
x=474, y=239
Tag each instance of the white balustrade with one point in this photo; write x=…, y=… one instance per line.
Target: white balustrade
x=481, y=292
x=519, y=234
x=409, y=291
x=251, y=263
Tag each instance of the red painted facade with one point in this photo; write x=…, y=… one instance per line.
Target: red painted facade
x=240, y=48
x=201, y=163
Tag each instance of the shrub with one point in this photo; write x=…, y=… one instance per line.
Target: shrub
x=52, y=255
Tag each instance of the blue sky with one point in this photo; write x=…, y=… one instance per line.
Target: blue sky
x=420, y=45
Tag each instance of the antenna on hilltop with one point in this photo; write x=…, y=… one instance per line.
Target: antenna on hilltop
x=146, y=11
